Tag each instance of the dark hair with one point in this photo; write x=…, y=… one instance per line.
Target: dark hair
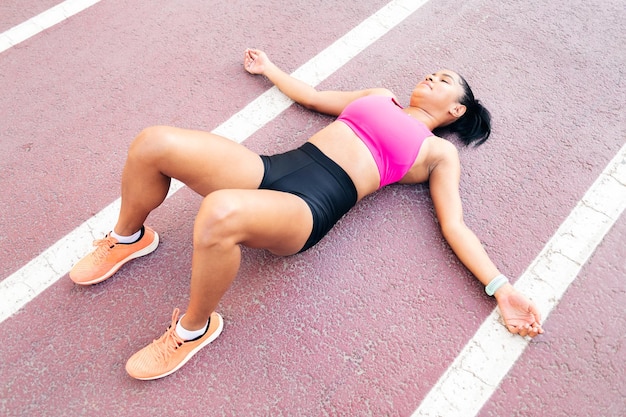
x=474, y=127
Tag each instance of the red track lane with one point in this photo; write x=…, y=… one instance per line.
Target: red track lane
x=367, y=321
x=578, y=367
x=14, y=12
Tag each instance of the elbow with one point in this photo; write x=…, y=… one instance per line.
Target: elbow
x=451, y=229
x=311, y=101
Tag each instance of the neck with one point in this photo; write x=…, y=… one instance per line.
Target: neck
x=430, y=121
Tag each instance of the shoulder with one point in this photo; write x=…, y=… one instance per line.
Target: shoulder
x=437, y=159
x=444, y=166
x=334, y=102
x=380, y=92
x=376, y=92
x=445, y=148
x=443, y=155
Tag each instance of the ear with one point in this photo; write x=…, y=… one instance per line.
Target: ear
x=458, y=110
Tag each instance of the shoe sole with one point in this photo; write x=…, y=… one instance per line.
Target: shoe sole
x=191, y=354
x=143, y=252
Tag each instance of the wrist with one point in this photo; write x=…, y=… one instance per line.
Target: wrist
x=495, y=284
x=503, y=291
x=270, y=69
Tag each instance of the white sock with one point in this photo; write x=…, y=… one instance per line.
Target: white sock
x=127, y=239
x=189, y=334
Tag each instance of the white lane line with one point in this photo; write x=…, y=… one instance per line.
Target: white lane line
x=480, y=367
x=33, y=278
x=42, y=21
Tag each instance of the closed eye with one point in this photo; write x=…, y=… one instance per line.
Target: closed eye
x=447, y=78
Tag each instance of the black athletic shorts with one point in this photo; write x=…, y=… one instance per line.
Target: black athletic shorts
x=317, y=179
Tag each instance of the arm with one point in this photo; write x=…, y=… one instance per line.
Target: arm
x=520, y=314
x=329, y=102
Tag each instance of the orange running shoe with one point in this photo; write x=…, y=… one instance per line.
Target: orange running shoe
x=167, y=354
x=110, y=255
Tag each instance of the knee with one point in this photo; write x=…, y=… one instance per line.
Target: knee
x=218, y=221
x=150, y=144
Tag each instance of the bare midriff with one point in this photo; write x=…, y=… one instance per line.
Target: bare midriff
x=342, y=145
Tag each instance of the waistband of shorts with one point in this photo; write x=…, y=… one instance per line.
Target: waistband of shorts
x=332, y=167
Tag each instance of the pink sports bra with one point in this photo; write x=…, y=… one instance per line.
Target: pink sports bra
x=393, y=137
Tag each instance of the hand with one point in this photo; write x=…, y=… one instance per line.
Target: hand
x=519, y=313
x=255, y=61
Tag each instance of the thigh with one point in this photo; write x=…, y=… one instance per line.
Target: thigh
x=205, y=162
x=274, y=220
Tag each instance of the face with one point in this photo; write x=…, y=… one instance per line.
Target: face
x=440, y=93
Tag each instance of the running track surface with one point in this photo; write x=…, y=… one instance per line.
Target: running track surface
x=367, y=321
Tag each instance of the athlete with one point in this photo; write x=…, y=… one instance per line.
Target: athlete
x=286, y=203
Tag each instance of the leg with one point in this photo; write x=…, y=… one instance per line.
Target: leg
x=203, y=161
x=276, y=221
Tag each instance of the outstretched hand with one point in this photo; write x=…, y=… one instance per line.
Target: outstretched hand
x=255, y=61
x=519, y=313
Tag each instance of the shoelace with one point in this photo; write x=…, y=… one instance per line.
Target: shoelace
x=167, y=344
x=103, y=246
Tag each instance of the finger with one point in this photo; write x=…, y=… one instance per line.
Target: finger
x=512, y=328
x=532, y=309
x=539, y=328
x=523, y=331
x=528, y=329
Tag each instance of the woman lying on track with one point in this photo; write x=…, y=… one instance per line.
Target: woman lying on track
x=286, y=203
